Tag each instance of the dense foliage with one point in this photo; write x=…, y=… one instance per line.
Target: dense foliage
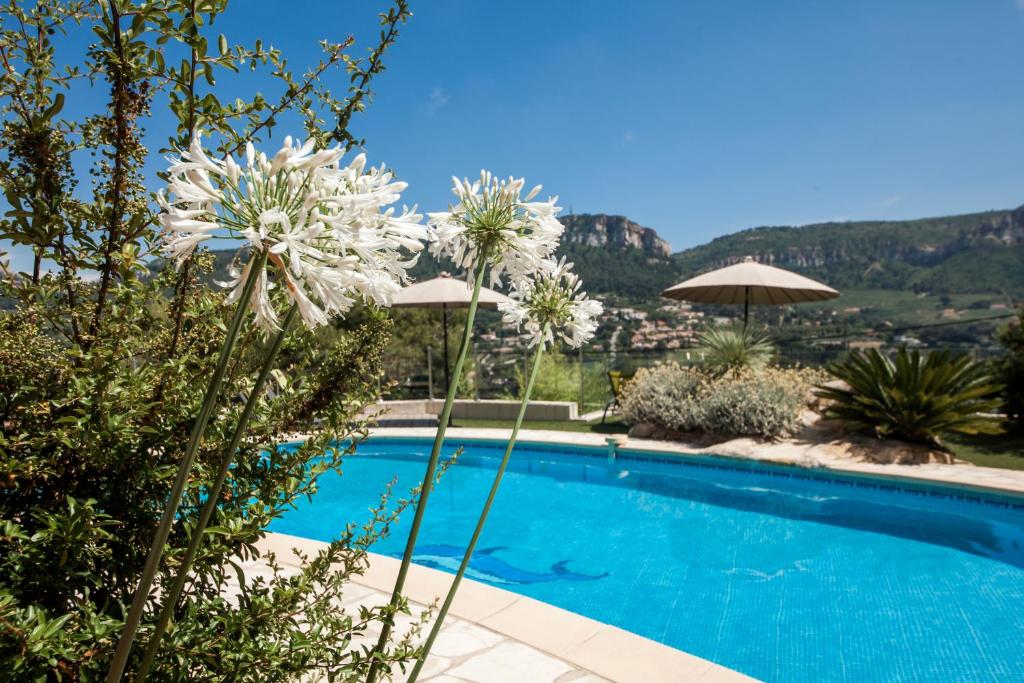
x=101, y=377
x=913, y=397
x=558, y=379
x=1009, y=370
x=735, y=347
x=766, y=403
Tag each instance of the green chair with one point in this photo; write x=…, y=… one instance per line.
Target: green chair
x=618, y=381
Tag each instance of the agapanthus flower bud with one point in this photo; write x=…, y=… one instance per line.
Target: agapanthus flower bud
x=551, y=305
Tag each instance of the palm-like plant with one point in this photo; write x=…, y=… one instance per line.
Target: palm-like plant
x=913, y=397
x=734, y=348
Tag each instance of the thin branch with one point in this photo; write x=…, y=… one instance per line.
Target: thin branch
x=395, y=17
x=289, y=97
x=117, y=69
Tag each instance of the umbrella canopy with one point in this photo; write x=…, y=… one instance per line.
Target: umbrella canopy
x=445, y=292
x=748, y=283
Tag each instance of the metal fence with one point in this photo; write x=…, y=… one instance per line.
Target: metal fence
x=582, y=375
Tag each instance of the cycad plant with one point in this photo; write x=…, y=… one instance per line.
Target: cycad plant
x=735, y=347
x=914, y=397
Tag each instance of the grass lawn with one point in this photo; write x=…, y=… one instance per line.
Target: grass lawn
x=999, y=450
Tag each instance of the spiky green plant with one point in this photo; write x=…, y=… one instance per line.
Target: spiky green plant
x=914, y=397
x=735, y=347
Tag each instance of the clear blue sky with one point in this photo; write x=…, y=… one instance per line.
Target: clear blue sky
x=694, y=118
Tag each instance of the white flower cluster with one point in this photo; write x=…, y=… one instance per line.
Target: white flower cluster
x=551, y=303
x=329, y=230
x=492, y=225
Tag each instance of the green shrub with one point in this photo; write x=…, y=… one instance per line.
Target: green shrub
x=731, y=348
x=558, y=379
x=663, y=395
x=913, y=397
x=1009, y=370
x=101, y=377
x=765, y=403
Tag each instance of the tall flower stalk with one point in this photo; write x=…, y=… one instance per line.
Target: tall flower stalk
x=329, y=235
x=550, y=304
x=213, y=496
x=163, y=530
x=490, y=226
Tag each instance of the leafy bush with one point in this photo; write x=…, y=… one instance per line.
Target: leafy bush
x=764, y=403
x=914, y=398
x=767, y=403
x=558, y=379
x=101, y=377
x=1009, y=370
x=664, y=395
x=730, y=348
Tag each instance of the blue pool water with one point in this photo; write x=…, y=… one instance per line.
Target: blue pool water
x=785, y=578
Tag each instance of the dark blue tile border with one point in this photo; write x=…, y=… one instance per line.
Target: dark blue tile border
x=963, y=492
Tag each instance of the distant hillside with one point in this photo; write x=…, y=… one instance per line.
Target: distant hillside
x=981, y=252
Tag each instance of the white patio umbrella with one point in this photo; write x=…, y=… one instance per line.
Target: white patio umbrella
x=748, y=283
x=445, y=292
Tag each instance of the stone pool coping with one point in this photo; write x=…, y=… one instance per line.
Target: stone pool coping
x=588, y=651
x=809, y=455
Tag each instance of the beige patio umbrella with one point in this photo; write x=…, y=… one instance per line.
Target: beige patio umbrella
x=748, y=283
x=445, y=292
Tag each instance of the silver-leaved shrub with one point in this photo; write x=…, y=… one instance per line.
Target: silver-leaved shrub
x=764, y=403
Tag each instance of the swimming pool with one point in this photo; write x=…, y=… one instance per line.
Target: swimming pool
x=782, y=574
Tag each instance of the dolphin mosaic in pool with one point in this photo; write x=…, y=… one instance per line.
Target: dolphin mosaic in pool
x=486, y=567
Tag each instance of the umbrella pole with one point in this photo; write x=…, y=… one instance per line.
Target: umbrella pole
x=746, y=306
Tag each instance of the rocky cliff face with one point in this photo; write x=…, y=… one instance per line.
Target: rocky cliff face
x=1006, y=229
x=602, y=230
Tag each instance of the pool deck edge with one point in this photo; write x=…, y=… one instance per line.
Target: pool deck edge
x=603, y=650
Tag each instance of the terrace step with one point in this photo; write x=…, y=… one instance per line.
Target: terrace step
x=406, y=420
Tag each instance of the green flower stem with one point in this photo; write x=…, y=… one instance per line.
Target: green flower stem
x=428, y=476
x=213, y=496
x=480, y=522
x=163, y=531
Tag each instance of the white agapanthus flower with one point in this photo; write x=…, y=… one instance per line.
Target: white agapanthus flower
x=551, y=305
x=513, y=234
x=330, y=232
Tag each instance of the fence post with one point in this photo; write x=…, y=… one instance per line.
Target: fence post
x=526, y=370
x=430, y=373
x=582, y=409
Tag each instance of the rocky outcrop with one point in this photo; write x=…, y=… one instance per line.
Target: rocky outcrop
x=602, y=230
x=1006, y=230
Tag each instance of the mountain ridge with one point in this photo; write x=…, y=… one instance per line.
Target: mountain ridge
x=977, y=252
